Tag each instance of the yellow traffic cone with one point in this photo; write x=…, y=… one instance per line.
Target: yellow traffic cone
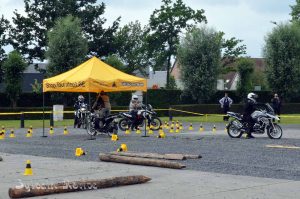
x=160, y=130
x=177, y=130
x=79, y=152
x=138, y=131
x=172, y=125
x=12, y=134
x=28, y=170
x=3, y=129
x=167, y=126
x=114, y=137
x=150, y=132
x=161, y=135
x=30, y=129
x=123, y=147
x=127, y=131
x=2, y=135
x=171, y=130
x=148, y=128
x=201, y=128
x=177, y=123
x=28, y=135
x=214, y=128
x=66, y=132
x=191, y=127
x=51, y=131
x=181, y=126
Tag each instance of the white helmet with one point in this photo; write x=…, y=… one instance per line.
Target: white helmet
x=80, y=98
x=252, y=96
x=134, y=97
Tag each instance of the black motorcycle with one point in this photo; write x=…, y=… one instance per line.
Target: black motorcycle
x=146, y=113
x=109, y=124
x=80, y=115
x=263, y=123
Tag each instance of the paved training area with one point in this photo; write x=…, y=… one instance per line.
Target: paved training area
x=230, y=168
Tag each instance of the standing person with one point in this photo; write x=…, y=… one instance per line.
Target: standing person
x=134, y=106
x=276, y=104
x=225, y=105
x=77, y=106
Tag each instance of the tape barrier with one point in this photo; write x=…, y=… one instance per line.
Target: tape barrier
x=169, y=109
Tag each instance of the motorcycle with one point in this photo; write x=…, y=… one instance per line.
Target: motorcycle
x=263, y=123
x=109, y=127
x=80, y=115
x=146, y=113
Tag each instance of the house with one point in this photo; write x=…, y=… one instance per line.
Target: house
x=29, y=76
x=227, y=81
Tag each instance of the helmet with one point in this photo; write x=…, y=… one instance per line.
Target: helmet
x=134, y=97
x=80, y=98
x=252, y=96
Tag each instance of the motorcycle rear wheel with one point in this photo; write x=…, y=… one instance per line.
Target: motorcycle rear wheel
x=275, y=133
x=233, y=130
x=123, y=123
x=156, y=123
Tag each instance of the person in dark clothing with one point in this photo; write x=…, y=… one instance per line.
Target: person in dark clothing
x=250, y=107
x=276, y=104
x=225, y=105
x=77, y=106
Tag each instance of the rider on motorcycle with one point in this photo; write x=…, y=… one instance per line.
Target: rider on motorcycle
x=77, y=106
x=134, y=106
x=250, y=106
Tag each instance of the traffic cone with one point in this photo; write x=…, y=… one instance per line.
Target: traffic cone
x=160, y=130
x=214, y=128
x=138, y=131
x=161, y=135
x=191, y=127
x=177, y=123
x=201, y=128
x=3, y=130
x=30, y=129
x=79, y=152
x=177, y=130
x=167, y=126
x=147, y=128
x=66, y=132
x=51, y=131
x=28, y=170
x=171, y=130
x=12, y=134
x=123, y=147
x=114, y=137
x=172, y=125
x=150, y=132
x=2, y=135
x=127, y=131
x=28, y=135
x=181, y=126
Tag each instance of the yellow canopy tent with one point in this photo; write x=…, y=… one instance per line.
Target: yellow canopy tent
x=94, y=76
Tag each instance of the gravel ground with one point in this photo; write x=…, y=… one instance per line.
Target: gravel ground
x=220, y=153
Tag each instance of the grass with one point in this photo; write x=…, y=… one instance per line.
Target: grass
x=285, y=119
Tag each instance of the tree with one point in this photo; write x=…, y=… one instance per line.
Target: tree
x=166, y=25
x=132, y=47
x=281, y=51
x=4, y=26
x=296, y=11
x=245, y=68
x=199, y=55
x=29, y=34
x=13, y=68
x=115, y=61
x=67, y=46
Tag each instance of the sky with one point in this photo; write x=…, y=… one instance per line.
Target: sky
x=249, y=20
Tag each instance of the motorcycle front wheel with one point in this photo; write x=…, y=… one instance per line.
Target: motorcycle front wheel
x=156, y=123
x=274, y=133
x=123, y=124
x=90, y=129
x=233, y=129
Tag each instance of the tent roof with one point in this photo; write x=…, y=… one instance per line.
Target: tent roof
x=94, y=76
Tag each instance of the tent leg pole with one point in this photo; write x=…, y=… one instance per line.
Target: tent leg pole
x=44, y=115
x=145, y=130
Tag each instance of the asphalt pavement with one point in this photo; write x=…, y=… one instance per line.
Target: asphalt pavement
x=221, y=154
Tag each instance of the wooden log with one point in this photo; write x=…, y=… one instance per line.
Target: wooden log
x=150, y=155
x=141, y=161
x=84, y=185
x=190, y=156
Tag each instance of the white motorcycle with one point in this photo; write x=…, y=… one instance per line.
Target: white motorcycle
x=263, y=123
